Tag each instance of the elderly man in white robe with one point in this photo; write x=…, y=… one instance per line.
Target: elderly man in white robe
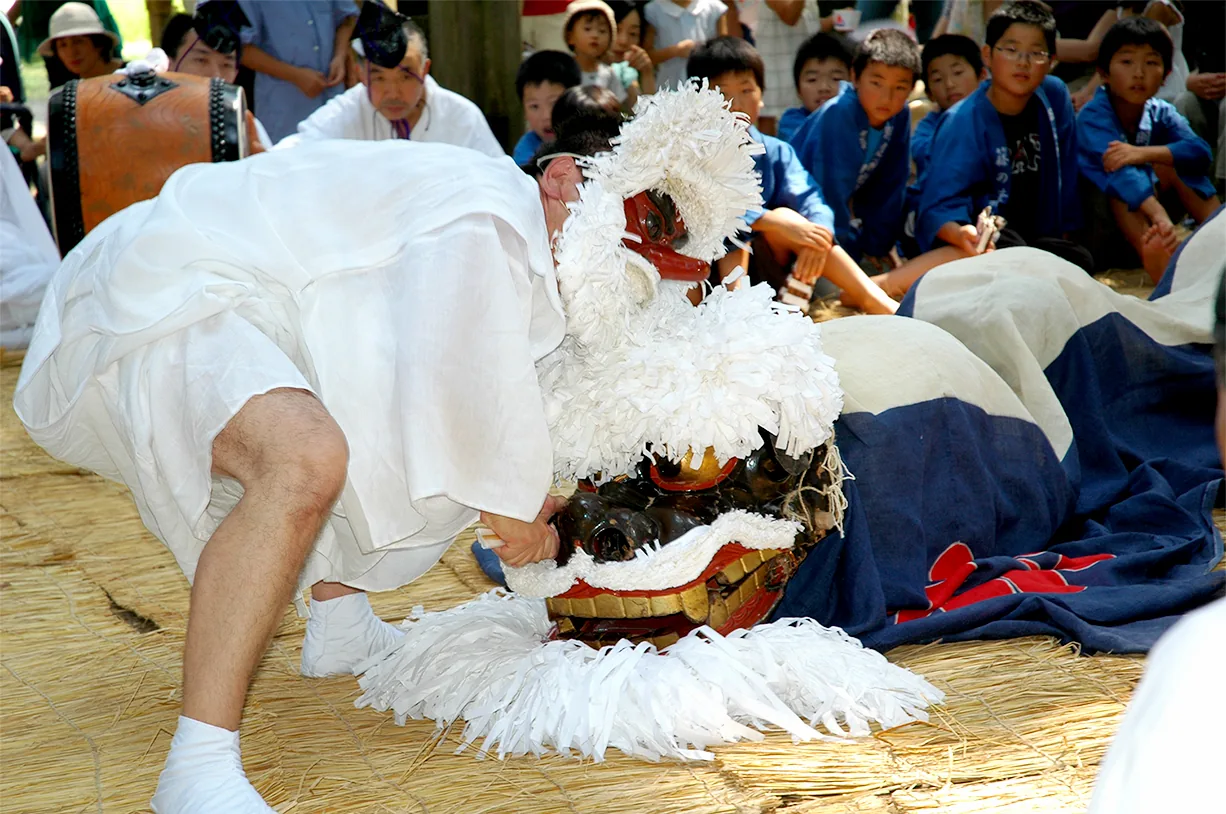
x=304, y=393
x=397, y=97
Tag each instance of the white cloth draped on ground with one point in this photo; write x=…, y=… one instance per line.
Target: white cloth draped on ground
x=448, y=118
x=409, y=286
x=28, y=256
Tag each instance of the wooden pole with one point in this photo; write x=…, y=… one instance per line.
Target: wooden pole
x=475, y=50
x=159, y=14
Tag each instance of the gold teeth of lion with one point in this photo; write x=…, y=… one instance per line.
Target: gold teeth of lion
x=694, y=602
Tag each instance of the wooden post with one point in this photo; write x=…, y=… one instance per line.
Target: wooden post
x=475, y=50
x=160, y=12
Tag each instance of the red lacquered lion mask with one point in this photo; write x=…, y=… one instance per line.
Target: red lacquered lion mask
x=653, y=217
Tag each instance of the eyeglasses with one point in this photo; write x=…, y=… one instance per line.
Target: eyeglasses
x=1033, y=57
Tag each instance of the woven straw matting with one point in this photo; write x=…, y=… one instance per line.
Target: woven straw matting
x=92, y=616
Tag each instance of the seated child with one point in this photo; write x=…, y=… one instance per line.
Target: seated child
x=856, y=146
x=1131, y=144
x=794, y=230
x=952, y=68
x=1011, y=145
x=675, y=28
x=540, y=80
x=822, y=62
x=587, y=109
x=589, y=31
x=626, y=56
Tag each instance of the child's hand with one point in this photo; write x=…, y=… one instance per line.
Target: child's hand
x=639, y=60
x=1121, y=154
x=684, y=48
x=962, y=236
x=6, y=95
x=794, y=231
x=809, y=264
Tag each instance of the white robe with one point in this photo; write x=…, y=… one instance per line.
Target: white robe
x=409, y=286
x=448, y=118
x=28, y=255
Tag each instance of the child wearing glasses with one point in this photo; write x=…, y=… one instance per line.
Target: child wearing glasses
x=1132, y=146
x=1011, y=145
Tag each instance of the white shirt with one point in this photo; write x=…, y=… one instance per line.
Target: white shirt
x=698, y=21
x=604, y=77
x=448, y=118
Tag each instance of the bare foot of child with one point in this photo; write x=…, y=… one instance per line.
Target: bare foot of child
x=1157, y=246
x=874, y=302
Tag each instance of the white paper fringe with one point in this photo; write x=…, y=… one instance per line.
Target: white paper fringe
x=489, y=664
x=658, y=568
x=641, y=366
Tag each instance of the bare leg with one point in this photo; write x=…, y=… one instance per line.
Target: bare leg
x=858, y=290
x=1199, y=208
x=1136, y=228
x=290, y=457
x=898, y=282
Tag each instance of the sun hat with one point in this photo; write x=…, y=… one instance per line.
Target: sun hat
x=579, y=6
x=74, y=20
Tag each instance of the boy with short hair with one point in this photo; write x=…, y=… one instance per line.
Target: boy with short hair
x=793, y=232
x=857, y=146
x=822, y=62
x=1132, y=144
x=952, y=69
x=1011, y=145
x=540, y=80
x=589, y=31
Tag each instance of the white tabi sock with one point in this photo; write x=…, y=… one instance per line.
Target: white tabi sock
x=204, y=774
x=341, y=634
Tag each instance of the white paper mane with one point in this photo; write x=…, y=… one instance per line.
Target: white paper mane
x=640, y=365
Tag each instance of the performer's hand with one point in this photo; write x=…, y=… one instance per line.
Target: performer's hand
x=962, y=236
x=1120, y=154
x=311, y=83
x=525, y=543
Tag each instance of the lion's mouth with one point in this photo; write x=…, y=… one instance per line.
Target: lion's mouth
x=739, y=588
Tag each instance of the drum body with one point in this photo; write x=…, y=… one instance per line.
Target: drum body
x=115, y=140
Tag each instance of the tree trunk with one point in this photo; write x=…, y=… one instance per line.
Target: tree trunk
x=475, y=50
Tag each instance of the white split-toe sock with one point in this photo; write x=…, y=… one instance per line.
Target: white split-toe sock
x=341, y=634
x=204, y=774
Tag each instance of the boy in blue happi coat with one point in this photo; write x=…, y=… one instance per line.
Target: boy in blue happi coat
x=794, y=231
x=857, y=146
x=822, y=62
x=952, y=68
x=1132, y=145
x=1011, y=145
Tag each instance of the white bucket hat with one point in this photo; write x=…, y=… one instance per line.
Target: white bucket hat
x=74, y=20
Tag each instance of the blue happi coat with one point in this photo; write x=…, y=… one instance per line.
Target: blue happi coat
x=786, y=183
x=866, y=192
x=971, y=168
x=1160, y=126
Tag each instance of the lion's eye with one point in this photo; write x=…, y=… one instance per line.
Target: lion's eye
x=654, y=226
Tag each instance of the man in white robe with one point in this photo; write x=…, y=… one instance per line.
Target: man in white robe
x=312, y=368
x=397, y=97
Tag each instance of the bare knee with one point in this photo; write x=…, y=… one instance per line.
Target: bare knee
x=285, y=443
